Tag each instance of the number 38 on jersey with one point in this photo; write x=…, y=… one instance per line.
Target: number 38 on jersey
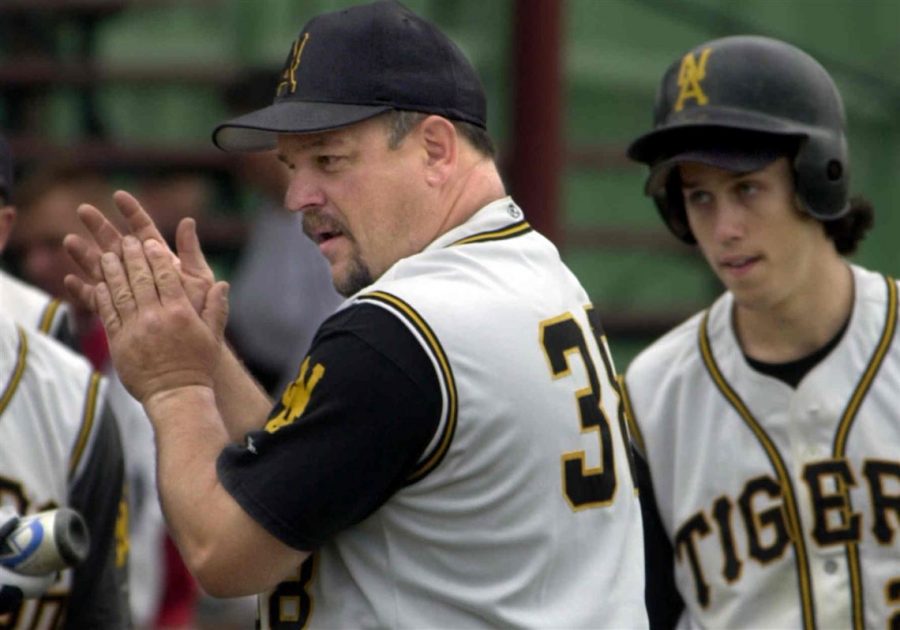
x=565, y=343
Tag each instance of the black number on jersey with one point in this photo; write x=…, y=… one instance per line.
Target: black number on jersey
x=290, y=604
x=584, y=487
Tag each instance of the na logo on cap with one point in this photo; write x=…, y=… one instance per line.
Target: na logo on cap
x=691, y=73
x=288, y=83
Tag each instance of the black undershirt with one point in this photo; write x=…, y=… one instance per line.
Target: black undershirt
x=793, y=372
x=359, y=431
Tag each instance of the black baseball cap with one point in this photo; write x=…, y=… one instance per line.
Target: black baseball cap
x=6, y=171
x=350, y=65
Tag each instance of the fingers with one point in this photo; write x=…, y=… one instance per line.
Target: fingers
x=117, y=291
x=81, y=293
x=187, y=244
x=140, y=275
x=86, y=256
x=139, y=221
x=165, y=275
x=215, y=309
x=107, y=310
x=104, y=233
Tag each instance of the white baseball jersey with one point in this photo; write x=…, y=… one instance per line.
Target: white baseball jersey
x=59, y=448
x=31, y=306
x=36, y=309
x=782, y=505
x=522, y=510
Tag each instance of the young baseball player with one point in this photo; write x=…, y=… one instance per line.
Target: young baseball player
x=769, y=421
x=450, y=453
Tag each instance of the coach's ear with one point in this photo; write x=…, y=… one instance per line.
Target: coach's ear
x=7, y=218
x=441, y=149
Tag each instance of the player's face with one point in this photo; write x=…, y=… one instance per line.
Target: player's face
x=37, y=238
x=748, y=226
x=361, y=200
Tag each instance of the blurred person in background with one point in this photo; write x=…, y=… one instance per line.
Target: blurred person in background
x=26, y=304
x=281, y=289
x=171, y=195
x=162, y=592
x=42, y=217
x=60, y=446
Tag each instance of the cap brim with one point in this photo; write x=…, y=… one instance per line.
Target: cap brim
x=259, y=130
x=729, y=160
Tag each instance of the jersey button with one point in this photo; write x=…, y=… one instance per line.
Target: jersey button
x=831, y=566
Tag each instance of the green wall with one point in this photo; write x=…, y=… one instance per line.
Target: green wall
x=614, y=52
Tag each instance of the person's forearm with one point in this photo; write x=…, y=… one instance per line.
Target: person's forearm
x=244, y=405
x=224, y=548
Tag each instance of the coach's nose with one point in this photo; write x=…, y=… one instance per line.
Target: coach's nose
x=303, y=192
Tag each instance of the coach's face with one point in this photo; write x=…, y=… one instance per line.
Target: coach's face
x=759, y=244
x=365, y=204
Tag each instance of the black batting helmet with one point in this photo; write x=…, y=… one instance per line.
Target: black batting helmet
x=740, y=102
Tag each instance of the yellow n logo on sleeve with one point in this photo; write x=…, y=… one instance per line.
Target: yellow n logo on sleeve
x=691, y=73
x=296, y=396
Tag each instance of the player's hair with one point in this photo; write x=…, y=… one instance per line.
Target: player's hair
x=402, y=122
x=86, y=184
x=849, y=230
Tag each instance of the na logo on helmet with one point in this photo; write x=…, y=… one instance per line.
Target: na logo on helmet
x=288, y=81
x=690, y=74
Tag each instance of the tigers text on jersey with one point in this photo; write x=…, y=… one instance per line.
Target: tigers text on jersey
x=782, y=505
x=59, y=447
x=521, y=510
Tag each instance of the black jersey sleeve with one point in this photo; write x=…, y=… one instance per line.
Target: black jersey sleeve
x=344, y=435
x=664, y=603
x=99, y=596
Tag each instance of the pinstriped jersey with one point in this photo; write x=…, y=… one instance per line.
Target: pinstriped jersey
x=31, y=306
x=57, y=448
x=782, y=505
x=520, y=510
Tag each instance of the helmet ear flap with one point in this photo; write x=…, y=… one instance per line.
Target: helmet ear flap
x=821, y=176
x=670, y=204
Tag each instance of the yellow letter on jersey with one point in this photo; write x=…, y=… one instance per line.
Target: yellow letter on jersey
x=691, y=73
x=296, y=396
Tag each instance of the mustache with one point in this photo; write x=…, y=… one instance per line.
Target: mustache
x=316, y=223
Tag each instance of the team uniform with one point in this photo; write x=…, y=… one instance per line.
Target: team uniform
x=781, y=504
x=59, y=446
x=453, y=450
x=34, y=308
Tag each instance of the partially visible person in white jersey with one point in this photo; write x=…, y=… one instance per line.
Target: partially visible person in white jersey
x=769, y=422
x=26, y=303
x=50, y=196
x=60, y=447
